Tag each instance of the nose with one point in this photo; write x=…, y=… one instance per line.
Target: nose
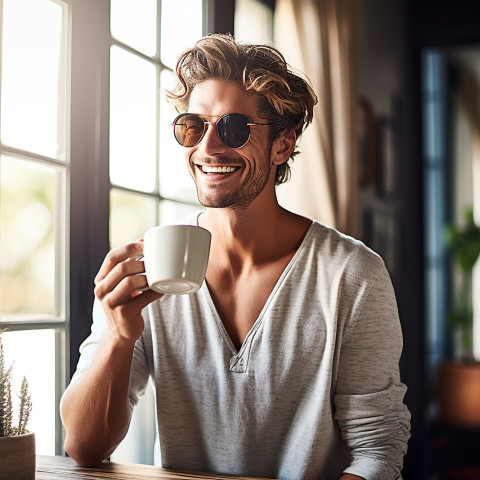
x=211, y=142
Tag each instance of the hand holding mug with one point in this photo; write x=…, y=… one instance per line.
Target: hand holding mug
x=120, y=286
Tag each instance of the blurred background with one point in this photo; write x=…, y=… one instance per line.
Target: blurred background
x=88, y=161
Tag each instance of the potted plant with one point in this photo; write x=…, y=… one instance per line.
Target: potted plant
x=464, y=244
x=17, y=444
x=459, y=380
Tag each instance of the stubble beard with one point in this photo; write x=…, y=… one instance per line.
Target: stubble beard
x=241, y=198
x=238, y=200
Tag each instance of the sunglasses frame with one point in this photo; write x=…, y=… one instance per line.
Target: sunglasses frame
x=205, y=122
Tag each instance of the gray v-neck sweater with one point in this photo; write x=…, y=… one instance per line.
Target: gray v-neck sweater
x=314, y=390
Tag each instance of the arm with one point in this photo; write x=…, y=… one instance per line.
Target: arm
x=349, y=476
x=95, y=408
x=370, y=412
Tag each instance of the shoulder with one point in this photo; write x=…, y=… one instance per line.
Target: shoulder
x=351, y=278
x=340, y=251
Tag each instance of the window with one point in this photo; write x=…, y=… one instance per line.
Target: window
x=436, y=174
x=450, y=159
x=254, y=21
x=34, y=172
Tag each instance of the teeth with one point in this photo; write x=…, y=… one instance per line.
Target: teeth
x=207, y=169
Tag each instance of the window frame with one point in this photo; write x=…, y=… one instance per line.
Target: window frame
x=89, y=185
x=58, y=321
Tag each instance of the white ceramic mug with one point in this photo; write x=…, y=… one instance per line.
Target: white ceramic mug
x=176, y=258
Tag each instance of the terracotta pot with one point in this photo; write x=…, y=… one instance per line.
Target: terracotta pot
x=459, y=393
x=17, y=457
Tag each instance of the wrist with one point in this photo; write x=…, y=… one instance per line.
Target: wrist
x=115, y=343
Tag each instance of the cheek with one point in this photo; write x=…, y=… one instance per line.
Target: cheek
x=189, y=157
x=189, y=163
x=257, y=166
x=257, y=157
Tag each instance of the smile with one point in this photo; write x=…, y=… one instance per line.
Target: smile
x=207, y=169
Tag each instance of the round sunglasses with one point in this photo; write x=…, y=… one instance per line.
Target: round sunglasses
x=233, y=129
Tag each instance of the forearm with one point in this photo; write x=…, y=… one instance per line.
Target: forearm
x=350, y=476
x=94, y=409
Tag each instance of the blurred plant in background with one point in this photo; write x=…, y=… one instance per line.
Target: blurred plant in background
x=464, y=244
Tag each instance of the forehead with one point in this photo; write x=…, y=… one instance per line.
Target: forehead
x=218, y=97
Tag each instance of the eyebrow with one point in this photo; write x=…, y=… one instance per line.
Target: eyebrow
x=209, y=118
x=204, y=115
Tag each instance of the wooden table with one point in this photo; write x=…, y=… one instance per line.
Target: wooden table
x=56, y=468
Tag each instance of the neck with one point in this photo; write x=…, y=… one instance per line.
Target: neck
x=242, y=225
x=255, y=234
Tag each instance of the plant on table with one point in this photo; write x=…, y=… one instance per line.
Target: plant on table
x=7, y=426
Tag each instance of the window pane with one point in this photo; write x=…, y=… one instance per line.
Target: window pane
x=32, y=353
x=131, y=216
x=175, y=180
x=27, y=238
x=133, y=121
x=31, y=55
x=134, y=22
x=181, y=28
x=173, y=212
x=253, y=22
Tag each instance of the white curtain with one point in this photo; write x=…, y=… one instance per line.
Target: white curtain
x=317, y=38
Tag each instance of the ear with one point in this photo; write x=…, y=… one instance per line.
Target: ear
x=283, y=147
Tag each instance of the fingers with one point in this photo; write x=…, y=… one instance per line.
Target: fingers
x=125, y=275
x=130, y=308
x=122, y=283
x=116, y=256
x=122, y=278
x=142, y=299
x=121, y=286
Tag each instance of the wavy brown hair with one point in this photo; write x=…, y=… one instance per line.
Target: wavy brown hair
x=286, y=99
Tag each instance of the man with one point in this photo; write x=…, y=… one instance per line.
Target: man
x=285, y=363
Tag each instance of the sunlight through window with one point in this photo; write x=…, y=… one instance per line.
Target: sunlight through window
x=133, y=99
x=20, y=348
x=33, y=173
x=135, y=24
x=32, y=35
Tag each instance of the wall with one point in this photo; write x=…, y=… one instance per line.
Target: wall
x=389, y=78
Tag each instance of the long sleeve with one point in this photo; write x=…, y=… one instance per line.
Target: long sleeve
x=370, y=411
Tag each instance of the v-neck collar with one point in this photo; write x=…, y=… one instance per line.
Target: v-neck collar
x=239, y=358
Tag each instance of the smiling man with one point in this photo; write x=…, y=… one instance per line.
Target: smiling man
x=285, y=363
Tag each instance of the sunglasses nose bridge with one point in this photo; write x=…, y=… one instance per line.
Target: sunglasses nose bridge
x=210, y=128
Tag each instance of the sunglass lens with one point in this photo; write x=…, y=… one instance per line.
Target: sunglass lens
x=233, y=130
x=188, y=129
